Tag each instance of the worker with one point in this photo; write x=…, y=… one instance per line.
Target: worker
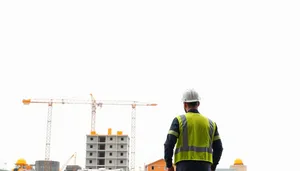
x=197, y=140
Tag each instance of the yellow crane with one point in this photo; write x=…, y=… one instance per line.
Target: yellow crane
x=94, y=104
x=67, y=162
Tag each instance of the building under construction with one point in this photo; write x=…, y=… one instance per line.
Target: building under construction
x=109, y=151
x=102, y=151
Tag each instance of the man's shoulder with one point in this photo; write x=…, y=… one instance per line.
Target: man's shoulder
x=176, y=119
x=208, y=118
x=178, y=116
x=214, y=122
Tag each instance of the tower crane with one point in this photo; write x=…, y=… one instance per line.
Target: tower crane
x=94, y=104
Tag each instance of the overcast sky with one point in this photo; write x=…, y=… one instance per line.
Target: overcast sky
x=240, y=55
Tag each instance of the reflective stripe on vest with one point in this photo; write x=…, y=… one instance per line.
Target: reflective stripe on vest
x=185, y=145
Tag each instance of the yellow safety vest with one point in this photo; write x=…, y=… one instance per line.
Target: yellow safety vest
x=195, y=138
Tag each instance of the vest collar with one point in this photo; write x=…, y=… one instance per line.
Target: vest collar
x=193, y=111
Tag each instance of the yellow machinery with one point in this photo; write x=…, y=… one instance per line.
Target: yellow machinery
x=21, y=165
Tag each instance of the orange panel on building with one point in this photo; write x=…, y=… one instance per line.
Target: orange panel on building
x=159, y=165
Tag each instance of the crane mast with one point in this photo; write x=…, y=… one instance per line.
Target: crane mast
x=48, y=133
x=93, y=120
x=94, y=104
x=132, y=138
x=48, y=137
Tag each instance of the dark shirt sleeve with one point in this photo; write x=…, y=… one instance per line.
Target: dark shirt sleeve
x=170, y=142
x=217, y=149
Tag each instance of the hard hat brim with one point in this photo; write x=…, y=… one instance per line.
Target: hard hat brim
x=189, y=101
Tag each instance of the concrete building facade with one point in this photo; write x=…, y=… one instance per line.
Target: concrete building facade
x=107, y=151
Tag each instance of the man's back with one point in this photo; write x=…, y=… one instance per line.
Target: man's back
x=197, y=127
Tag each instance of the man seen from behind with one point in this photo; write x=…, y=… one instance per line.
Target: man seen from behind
x=197, y=140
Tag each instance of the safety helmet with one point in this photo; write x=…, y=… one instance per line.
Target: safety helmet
x=190, y=95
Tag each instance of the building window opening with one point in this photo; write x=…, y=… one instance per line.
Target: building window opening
x=91, y=154
x=110, y=154
x=110, y=161
x=121, y=146
x=92, y=138
x=101, y=154
x=121, y=154
x=101, y=139
x=91, y=146
x=121, y=161
x=152, y=167
x=90, y=161
x=110, y=146
x=122, y=139
x=101, y=162
x=102, y=147
x=111, y=138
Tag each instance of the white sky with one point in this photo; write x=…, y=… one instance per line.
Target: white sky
x=241, y=57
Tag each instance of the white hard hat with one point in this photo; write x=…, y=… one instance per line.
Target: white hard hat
x=190, y=95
